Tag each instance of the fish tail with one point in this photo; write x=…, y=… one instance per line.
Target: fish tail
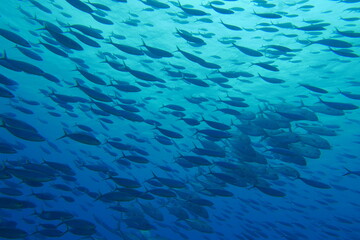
x=320, y=100
x=348, y=172
x=105, y=61
x=76, y=68
x=302, y=103
x=232, y=123
x=110, y=40
x=217, y=109
x=3, y=167
x=180, y=155
x=264, y=137
x=290, y=129
x=98, y=197
x=34, y=17
x=111, y=83
x=34, y=213
x=65, y=135
x=310, y=43
x=126, y=67
x=43, y=161
x=4, y=55
x=108, y=177
x=232, y=45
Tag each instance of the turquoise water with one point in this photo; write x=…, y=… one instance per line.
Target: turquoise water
x=179, y=120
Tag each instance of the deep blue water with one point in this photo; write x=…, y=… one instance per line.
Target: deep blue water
x=205, y=120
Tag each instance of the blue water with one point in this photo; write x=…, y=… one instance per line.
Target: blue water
x=294, y=64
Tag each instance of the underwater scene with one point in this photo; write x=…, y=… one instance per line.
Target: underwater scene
x=162, y=119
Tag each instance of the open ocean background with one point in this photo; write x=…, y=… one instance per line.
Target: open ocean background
x=156, y=122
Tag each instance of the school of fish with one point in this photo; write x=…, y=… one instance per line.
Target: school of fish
x=157, y=119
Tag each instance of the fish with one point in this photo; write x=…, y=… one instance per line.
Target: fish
x=271, y=80
x=155, y=4
x=64, y=40
x=78, y=4
x=6, y=93
x=248, y=51
x=84, y=39
x=15, y=38
x=81, y=137
x=127, y=49
x=333, y=43
x=12, y=233
x=339, y=105
x=314, y=183
x=191, y=11
x=221, y=10
x=313, y=88
x=157, y=51
x=230, y=26
x=29, y=53
x=268, y=15
x=266, y=66
x=88, y=31
x=189, y=37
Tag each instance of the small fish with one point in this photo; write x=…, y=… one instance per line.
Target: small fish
x=192, y=11
x=81, y=137
x=339, y=105
x=13, y=37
